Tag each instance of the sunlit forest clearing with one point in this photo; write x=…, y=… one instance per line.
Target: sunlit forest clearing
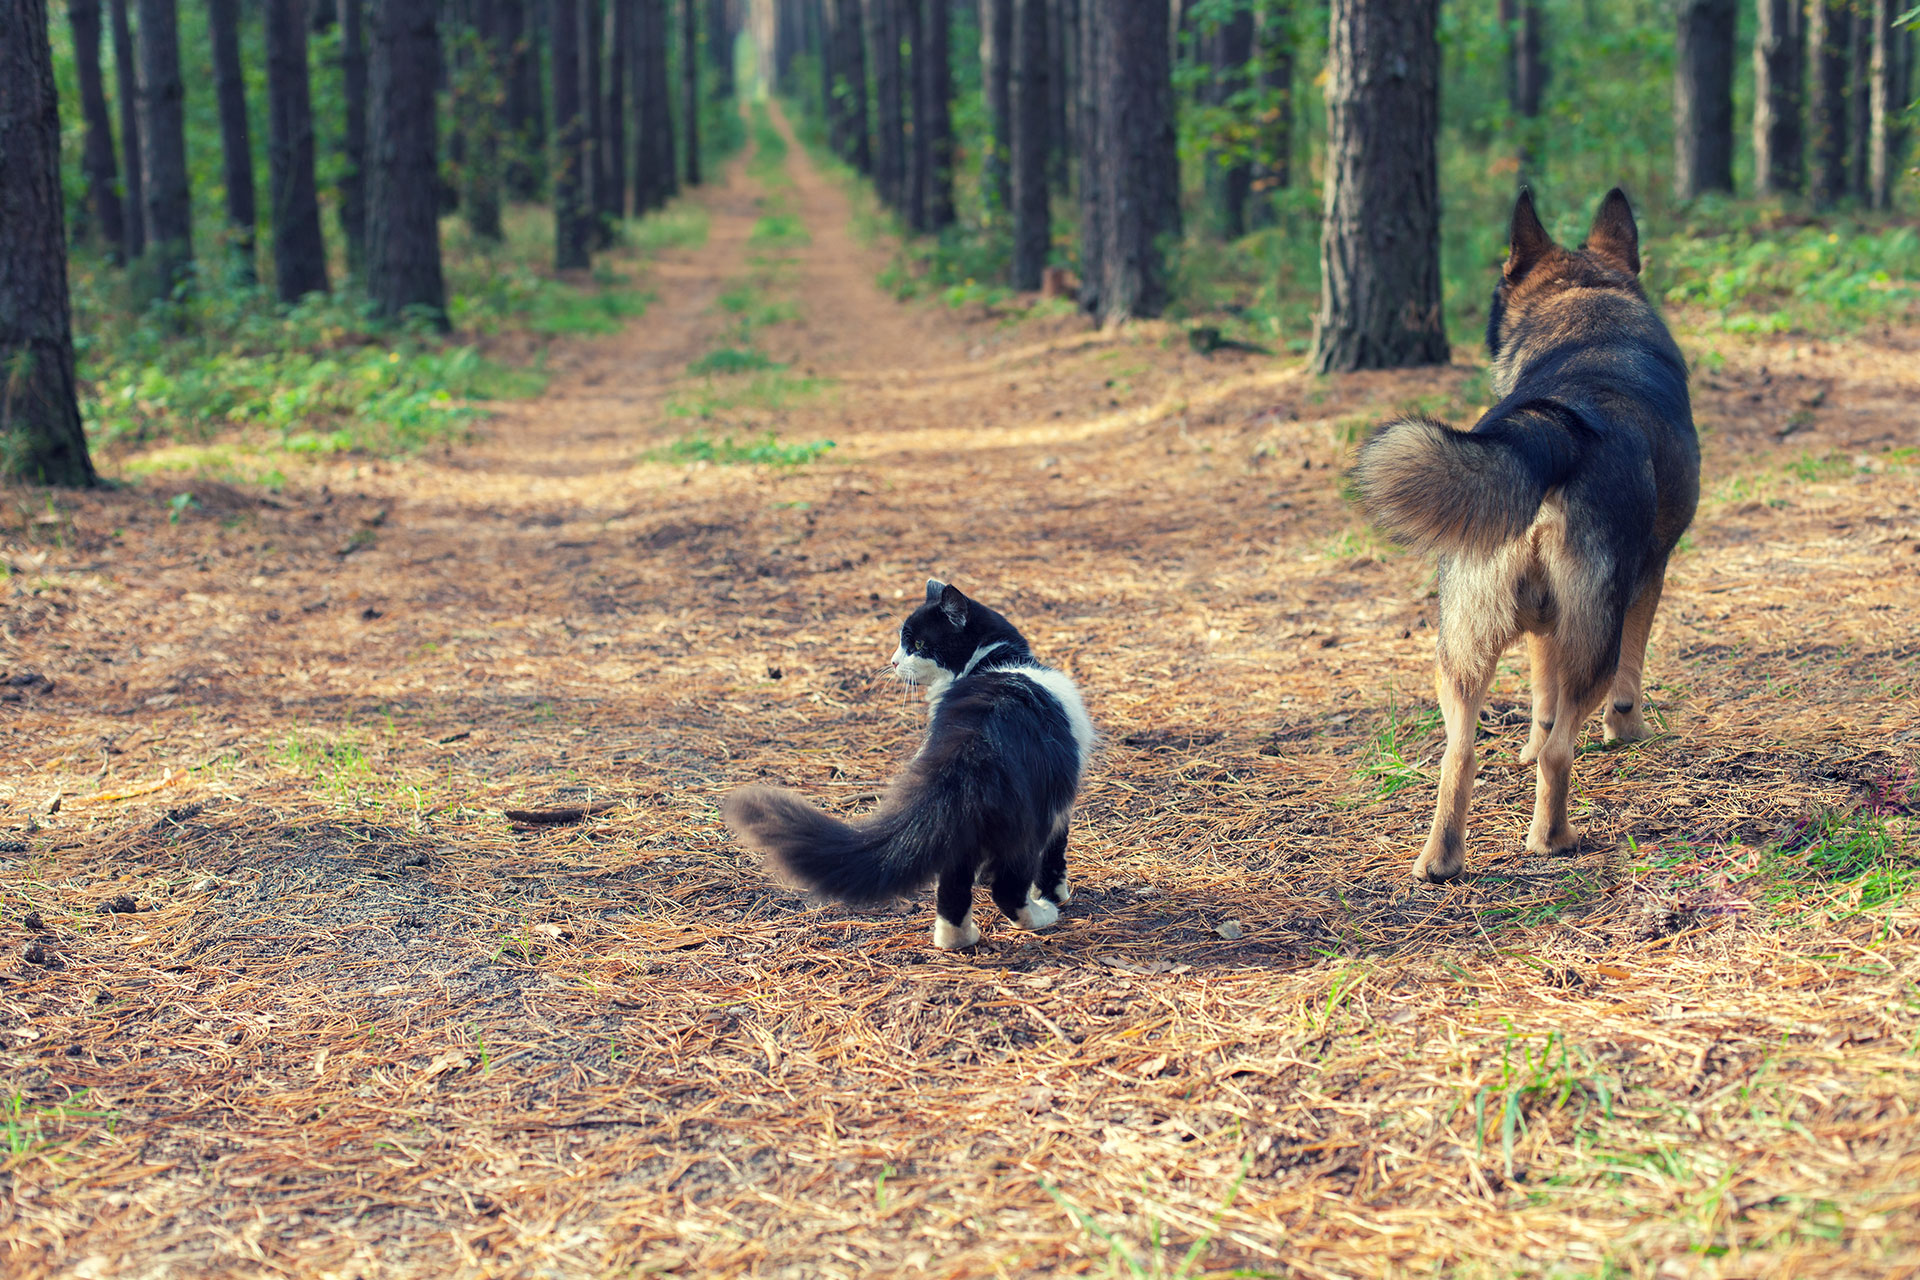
x=365, y=903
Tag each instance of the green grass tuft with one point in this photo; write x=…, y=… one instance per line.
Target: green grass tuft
x=766, y=451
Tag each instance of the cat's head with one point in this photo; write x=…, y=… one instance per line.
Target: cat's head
x=949, y=635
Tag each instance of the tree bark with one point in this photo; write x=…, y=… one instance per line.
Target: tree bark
x=997, y=56
x=163, y=152
x=1829, y=37
x=1380, y=238
x=659, y=129
x=1526, y=80
x=236, y=147
x=1273, y=150
x=299, y=253
x=1900, y=58
x=1229, y=172
x=936, y=30
x=403, y=199
x=1703, y=98
x=352, y=191
x=613, y=203
x=1087, y=144
x=1059, y=141
x=1139, y=166
x=1030, y=105
x=1779, y=71
x=853, y=61
x=1860, y=100
x=526, y=118
x=889, y=161
x=720, y=49
x=572, y=219
x=480, y=94
x=690, y=87
x=134, y=210
x=103, y=176
x=41, y=440
x=919, y=139
x=1881, y=106
x=599, y=169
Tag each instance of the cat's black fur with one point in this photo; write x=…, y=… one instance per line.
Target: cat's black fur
x=986, y=799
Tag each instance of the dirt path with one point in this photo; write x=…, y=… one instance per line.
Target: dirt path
x=363, y=1025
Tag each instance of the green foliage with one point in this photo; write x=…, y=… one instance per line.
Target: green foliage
x=732, y=360
x=1852, y=861
x=681, y=225
x=1770, y=276
x=1388, y=769
x=767, y=451
x=768, y=390
x=779, y=231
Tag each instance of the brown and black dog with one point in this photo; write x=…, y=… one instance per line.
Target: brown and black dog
x=1554, y=516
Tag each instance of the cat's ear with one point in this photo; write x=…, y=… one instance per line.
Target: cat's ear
x=934, y=588
x=953, y=605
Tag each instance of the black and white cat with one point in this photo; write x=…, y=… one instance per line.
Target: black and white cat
x=986, y=799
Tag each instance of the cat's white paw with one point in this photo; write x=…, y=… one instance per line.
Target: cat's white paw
x=955, y=937
x=1037, y=914
x=1062, y=892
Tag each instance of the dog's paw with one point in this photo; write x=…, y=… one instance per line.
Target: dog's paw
x=955, y=937
x=1626, y=726
x=1444, y=858
x=1556, y=839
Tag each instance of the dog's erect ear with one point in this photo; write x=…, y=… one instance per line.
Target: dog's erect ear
x=1527, y=240
x=954, y=605
x=1614, y=234
x=934, y=588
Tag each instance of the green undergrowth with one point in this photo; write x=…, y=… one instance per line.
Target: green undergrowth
x=766, y=451
x=767, y=390
x=724, y=360
x=326, y=375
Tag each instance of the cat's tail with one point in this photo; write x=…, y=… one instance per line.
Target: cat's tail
x=1435, y=488
x=893, y=853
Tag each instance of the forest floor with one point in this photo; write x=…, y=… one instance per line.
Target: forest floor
x=286, y=991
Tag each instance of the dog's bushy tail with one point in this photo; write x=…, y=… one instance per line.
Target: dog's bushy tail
x=1435, y=488
x=894, y=852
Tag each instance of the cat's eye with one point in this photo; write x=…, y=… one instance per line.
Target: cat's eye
x=919, y=646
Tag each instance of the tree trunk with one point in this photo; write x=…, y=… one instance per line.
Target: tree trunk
x=403, y=199
x=1059, y=140
x=1273, y=149
x=889, y=162
x=125, y=77
x=236, y=148
x=720, y=49
x=1139, y=166
x=299, y=253
x=1703, y=98
x=997, y=56
x=1900, y=57
x=1030, y=107
x=1881, y=106
x=526, y=140
x=572, y=217
x=690, y=86
x=1230, y=175
x=1859, y=100
x=936, y=30
x=353, y=176
x=1526, y=80
x=666, y=167
x=1380, y=238
x=853, y=66
x=1087, y=145
x=919, y=151
x=1779, y=71
x=480, y=94
x=163, y=152
x=41, y=440
x=613, y=202
x=1829, y=43
x=102, y=208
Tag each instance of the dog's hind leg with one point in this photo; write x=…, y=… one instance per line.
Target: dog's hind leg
x=1546, y=693
x=1551, y=832
x=1624, y=720
x=1445, y=856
